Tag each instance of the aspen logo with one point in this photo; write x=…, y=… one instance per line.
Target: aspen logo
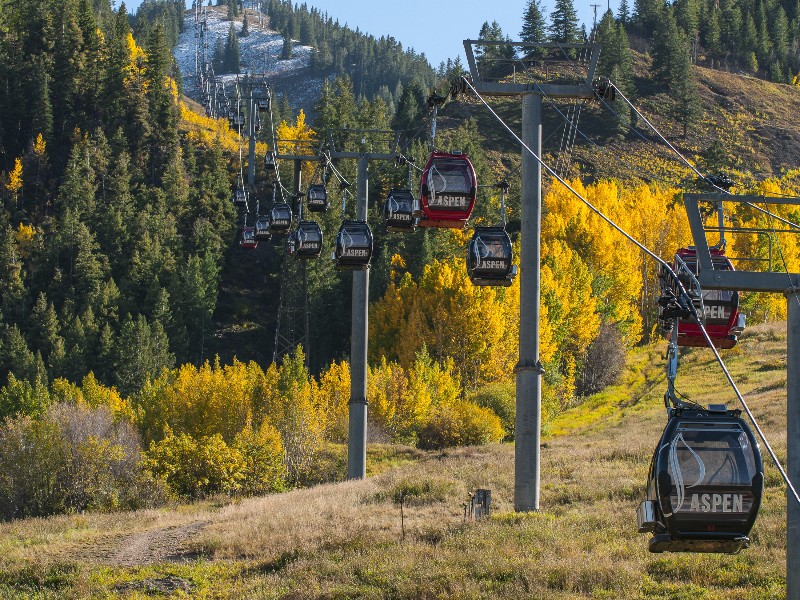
x=493, y=264
x=401, y=217
x=716, y=503
x=715, y=312
x=449, y=201
x=356, y=252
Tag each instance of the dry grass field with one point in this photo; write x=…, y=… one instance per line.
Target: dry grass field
x=346, y=540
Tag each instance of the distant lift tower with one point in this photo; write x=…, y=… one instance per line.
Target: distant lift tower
x=759, y=281
x=557, y=71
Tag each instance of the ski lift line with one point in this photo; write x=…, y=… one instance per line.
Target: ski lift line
x=666, y=141
x=284, y=191
x=578, y=131
x=690, y=165
x=339, y=176
x=549, y=169
x=773, y=215
x=674, y=276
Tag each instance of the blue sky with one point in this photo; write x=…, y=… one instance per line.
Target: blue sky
x=436, y=28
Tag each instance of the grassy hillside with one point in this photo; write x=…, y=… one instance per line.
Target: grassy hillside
x=752, y=119
x=347, y=540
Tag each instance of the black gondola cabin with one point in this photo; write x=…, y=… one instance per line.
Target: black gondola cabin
x=353, y=246
x=269, y=162
x=705, y=483
x=490, y=257
x=317, y=198
x=447, y=191
x=280, y=217
x=398, y=210
x=240, y=196
x=306, y=240
x=262, y=229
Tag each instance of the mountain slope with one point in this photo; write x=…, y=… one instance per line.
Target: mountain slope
x=347, y=540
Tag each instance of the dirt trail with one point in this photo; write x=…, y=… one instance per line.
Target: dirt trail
x=161, y=544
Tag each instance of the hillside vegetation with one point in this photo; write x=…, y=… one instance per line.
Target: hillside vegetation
x=347, y=540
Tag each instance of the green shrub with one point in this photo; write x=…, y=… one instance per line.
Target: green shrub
x=501, y=399
x=72, y=458
x=264, y=468
x=196, y=467
x=459, y=424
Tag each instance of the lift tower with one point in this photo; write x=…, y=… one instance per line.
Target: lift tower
x=760, y=281
x=357, y=429
x=556, y=71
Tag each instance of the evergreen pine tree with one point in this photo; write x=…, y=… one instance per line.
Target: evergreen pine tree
x=218, y=58
x=623, y=13
x=142, y=354
x=42, y=116
x=286, y=51
x=666, y=50
x=564, y=23
x=12, y=286
x=45, y=326
x=647, y=15
x=245, y=28
x=534, y=28
x=232, y=56
x=162, y=100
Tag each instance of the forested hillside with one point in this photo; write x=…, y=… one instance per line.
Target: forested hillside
x=137, y=334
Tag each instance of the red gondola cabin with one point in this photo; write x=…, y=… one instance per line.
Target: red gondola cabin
x=447, y=191
x=723, y=322
x=248, y=239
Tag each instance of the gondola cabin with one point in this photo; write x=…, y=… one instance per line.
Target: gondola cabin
x=269, y=162
x=262, y=103
x=490, y=257
x=447, y=191
x=723, y=322
x=705, y=483
x=317, y=198
x=280, y=217
x=248, y=238
x=262, y=229
x=306, y=240
x=398, y=210
x=353, y=246
x=240, y=196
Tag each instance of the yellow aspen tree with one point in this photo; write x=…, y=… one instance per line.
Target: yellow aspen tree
x=297, y=139
x=332, y=400
x=14, y=184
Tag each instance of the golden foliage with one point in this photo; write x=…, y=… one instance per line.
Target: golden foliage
x=208, y=400
x=134, y=70
x=443, y=311
x=332, y=398
x=92, y=394
x=25, y=237
x=298, y=139
x=14, y=184
x=39, y=146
